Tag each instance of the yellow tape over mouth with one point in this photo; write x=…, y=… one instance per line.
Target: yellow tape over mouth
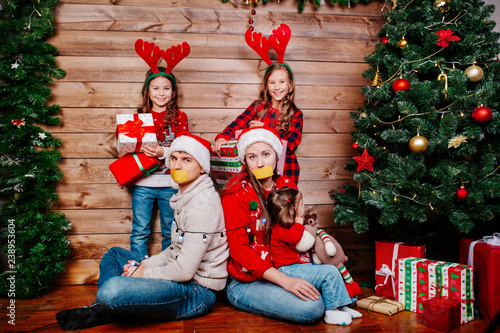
x=179, y=175
x=263, y=172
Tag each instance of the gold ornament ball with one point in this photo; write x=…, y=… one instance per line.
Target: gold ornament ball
x=363, y=115
x=442, y=5
x=402, y=43
x=418, y=144
x=474, y=73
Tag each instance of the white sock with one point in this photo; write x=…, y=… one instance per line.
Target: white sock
x=337, y=317
x=352, y=312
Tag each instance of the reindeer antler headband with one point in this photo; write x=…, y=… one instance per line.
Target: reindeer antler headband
x=151, y=54
x=278, y=40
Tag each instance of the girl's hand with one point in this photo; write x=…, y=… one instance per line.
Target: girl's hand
x=158, y=151
x=255, y=123
x=301, y=288
x=217, y=144
x=299, y=220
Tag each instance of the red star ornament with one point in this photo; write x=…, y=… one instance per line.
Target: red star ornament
x=365, y=161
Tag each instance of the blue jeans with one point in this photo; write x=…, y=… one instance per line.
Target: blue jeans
x=154, y=298
x=143, y=199
x=271, y=300
x=326, y=278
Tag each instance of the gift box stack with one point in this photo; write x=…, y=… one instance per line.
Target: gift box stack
x=419, y=280
x=387, y=253
x=134, y=131
x=227, y=165
x=484, y=256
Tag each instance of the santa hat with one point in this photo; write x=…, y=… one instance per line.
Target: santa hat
x=195, y=146
x=252, y=135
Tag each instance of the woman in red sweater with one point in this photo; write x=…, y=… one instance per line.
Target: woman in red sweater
x=254, y=284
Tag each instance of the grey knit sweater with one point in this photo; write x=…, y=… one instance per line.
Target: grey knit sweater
x=198, y=213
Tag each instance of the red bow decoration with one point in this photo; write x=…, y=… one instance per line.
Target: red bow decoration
x=445, y=37
x=18, y=122
x=132, y=129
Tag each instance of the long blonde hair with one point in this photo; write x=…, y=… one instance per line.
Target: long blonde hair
x=288, y=105
x=146, y=104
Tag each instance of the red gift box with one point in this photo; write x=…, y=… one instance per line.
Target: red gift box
x=486, y=263
x=130, y=167
x=442, y=313
x=386, y=255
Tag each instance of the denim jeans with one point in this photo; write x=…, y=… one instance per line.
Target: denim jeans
x=154, y=298
x=326, y=278
x=271, y=300
x=143, y=199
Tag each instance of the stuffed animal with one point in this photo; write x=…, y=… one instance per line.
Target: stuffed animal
x=326, y=250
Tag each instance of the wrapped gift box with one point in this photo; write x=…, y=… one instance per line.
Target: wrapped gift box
x=418, y=280
x=485, y=259
x=441, y=313
x=386, y=255
x=134, y=131
x=380, y=304
x=130, y=167
x=227, y=165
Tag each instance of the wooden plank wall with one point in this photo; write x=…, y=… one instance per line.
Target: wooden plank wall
x=220, y=78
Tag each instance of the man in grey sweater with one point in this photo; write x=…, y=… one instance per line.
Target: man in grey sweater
x=181, y=282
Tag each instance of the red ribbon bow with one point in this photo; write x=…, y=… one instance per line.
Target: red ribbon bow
x=132, y=129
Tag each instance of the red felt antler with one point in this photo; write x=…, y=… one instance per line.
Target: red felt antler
x=259, y=44
x=174, y=55
x=279, y=40
x=149, y=52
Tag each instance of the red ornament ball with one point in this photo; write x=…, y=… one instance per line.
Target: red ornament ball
x=401, y=85
x=482, y=114
x=355, y=146
x=462, y=193
x=384, y=40
x=253, y=11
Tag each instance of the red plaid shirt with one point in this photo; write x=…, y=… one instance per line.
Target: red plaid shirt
x=272, y=118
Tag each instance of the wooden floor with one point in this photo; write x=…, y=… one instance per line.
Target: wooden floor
x=39, y=312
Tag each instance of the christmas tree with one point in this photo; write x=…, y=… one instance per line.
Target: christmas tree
x=32, y=236
x=429, y=131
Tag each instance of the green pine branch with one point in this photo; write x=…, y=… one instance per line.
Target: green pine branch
x=32, y=236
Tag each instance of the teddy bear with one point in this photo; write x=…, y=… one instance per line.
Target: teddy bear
x=326, y=250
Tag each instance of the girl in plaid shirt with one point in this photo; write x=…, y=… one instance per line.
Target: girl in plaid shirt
x=276, y=109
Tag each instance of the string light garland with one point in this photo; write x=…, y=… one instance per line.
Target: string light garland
x=180, y=232
x=316, y=3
